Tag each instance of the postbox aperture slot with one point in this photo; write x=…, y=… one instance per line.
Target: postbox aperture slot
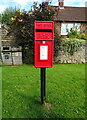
x=43, y=30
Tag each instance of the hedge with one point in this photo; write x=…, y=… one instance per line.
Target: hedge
x=69, y=45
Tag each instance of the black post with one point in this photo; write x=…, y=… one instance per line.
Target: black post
x=43, y=82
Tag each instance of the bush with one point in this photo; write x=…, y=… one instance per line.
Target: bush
x=22, y=25
x=57, y=43
x=71, y=45
x=78, y=36
x=6, y=15
x=82, y=36
x=73, y=33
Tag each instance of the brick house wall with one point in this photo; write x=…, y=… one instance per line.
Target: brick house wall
x=70, y=14
x=83, y=28
x=58, y=27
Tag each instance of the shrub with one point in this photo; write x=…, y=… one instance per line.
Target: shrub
x=73, y=33
x=22, y=24
x=82, y=36
x=71, y=45
x=6, y=15
x=57, y=43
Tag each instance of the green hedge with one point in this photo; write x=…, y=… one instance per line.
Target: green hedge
x=69, y=45
x=73, y=33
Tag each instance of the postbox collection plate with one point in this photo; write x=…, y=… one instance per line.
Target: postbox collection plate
x=43, y=52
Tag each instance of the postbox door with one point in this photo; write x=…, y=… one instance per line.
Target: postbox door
x=44, y=54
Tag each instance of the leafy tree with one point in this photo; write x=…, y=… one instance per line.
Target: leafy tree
x=0, y=18
x=73, y=33
x=22, y=23
x=6, y=15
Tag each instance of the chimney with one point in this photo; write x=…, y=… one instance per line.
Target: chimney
x=61, y=4
x=86, y=4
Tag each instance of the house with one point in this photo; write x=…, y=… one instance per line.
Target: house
x=70, y=17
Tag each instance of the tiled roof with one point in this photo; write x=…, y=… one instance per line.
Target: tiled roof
x=75, y=14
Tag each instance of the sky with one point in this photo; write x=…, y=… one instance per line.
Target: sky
x=26, y=4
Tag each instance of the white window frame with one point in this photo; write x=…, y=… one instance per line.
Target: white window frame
x=65, y=26
x=0, y=25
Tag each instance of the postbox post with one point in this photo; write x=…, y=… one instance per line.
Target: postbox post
x=43, y=85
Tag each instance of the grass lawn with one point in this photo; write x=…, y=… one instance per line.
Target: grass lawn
x=0, y=62
x=65, y=92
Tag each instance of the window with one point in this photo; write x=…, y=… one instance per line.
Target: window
x=65, y=26
x=0, y=25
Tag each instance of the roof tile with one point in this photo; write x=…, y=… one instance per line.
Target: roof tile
x=77, y=14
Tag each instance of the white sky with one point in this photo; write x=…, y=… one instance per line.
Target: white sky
x=25, y=4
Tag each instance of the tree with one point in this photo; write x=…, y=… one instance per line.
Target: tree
x=22, y=24
x=0, y=18
x=6, y=15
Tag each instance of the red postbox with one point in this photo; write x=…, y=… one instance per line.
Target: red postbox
x=43, y=44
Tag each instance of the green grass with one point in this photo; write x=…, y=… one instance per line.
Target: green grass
x=65, y=92
x=0, y=92
x=0, y=62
